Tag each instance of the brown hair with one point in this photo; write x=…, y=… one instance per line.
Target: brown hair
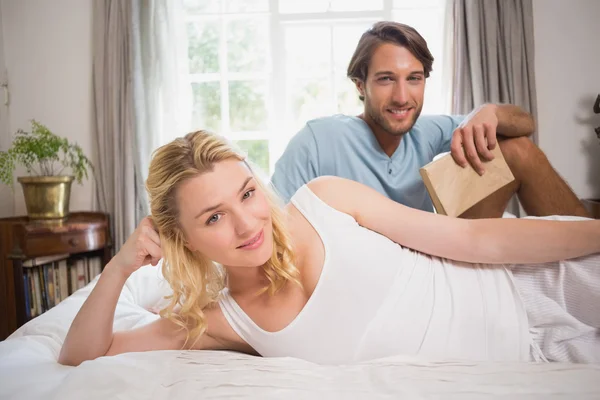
x=387, y=32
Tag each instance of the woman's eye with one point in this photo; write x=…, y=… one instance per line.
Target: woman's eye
x=248, y=194
x=213, y=219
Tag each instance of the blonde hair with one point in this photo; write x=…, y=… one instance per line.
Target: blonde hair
x=197, y=281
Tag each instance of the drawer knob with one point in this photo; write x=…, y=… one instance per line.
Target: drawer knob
x=73, y=242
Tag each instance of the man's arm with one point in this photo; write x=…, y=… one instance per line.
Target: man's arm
x=476, y=136
x=298, y=165
x=513, y=121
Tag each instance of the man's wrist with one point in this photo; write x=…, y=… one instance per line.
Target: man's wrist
x=492, y=108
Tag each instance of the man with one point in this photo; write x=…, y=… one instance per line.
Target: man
x=385, y=146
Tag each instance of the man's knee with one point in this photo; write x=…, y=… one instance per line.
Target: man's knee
x=520, y=152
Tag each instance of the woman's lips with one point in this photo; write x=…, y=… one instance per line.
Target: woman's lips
x=253, y=243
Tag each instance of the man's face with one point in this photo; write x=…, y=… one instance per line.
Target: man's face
x=394, y=89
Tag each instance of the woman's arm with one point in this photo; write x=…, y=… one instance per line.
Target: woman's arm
x=91, y=333
x=493, y=241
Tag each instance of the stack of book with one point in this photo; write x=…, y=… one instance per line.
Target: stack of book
x=50, y=280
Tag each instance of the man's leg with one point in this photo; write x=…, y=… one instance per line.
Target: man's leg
x=540, y=189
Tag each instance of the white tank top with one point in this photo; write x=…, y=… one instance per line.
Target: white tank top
x=375, y=298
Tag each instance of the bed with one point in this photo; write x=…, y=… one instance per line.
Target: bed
x=28, y=367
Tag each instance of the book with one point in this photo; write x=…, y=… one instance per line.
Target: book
x=38, y=293
x=63, y=272
x=27, y=295
x=49, y=280
x=44, y=260
x=454, y=189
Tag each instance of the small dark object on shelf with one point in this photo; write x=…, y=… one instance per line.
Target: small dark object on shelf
x=597, y=111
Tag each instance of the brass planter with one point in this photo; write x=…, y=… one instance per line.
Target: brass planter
x=47, y=197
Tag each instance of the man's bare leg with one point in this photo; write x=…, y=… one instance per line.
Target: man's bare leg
x=540, y=189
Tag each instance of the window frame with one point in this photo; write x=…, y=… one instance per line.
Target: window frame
x=275, y=77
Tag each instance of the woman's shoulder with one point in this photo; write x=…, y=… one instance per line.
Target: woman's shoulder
x=323, y=194
x=322, y=187
x=338, y=193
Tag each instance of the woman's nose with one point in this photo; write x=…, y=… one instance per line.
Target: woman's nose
x=244, y=224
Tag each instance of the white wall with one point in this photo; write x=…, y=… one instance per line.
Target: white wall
x=6, y=195
x=48, y=55
x=567, y=68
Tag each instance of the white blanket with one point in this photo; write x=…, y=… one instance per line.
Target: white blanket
x=28, y=367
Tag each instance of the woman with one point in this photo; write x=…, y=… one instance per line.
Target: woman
x=340, y=274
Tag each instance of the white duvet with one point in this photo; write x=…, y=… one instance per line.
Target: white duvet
x=28, y=367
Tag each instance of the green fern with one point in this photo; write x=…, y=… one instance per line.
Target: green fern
x=43, y=153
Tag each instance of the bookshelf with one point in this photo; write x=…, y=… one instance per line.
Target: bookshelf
x=42, y=263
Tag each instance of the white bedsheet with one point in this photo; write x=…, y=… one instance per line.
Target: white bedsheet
x=28, y=368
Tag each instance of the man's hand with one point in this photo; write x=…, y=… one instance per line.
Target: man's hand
x=475, y=137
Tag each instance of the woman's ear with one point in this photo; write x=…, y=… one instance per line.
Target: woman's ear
x=189, y=246
x=185, y=242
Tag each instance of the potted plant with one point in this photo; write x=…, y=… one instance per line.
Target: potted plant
x=47, y=157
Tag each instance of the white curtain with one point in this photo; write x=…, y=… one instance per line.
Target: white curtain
x=494, y=54
x=113, y=126
x=494, y=58
x=161, y=95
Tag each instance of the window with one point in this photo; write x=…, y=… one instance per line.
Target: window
x=260, y=69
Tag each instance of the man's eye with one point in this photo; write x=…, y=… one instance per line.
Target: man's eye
x=385, y=78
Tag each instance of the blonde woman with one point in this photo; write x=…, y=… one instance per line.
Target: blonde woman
x=341, y=273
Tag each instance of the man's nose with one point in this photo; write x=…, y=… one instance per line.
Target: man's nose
x=400, y=93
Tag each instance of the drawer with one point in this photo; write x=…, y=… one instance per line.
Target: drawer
x=65, y=242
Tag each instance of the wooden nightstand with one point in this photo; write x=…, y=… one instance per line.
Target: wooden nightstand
x=82, y=234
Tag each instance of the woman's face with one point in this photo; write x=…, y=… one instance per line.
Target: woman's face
x=226, y=216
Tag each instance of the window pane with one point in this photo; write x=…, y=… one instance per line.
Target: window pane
x=309, y=99
x=247, y=45
x=202, y=6
x=257, y=151
x=247, y=108
x=345, y=39
x=419, y=4
x=247, y=5
x=308, y=51
x=303, y=6
x=428, y=23
x=207, y=106
x=347, y=97
x=356, y=5
x=203, y=47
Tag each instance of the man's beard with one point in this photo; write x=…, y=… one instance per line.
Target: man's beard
x=380, y=120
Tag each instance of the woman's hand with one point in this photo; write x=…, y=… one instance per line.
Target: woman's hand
x=141, y=248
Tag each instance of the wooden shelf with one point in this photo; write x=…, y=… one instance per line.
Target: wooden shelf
x=22, y=239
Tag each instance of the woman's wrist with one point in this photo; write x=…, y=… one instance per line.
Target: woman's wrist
x=115, y=271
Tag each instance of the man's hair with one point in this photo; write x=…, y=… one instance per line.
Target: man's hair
x=387, y=32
